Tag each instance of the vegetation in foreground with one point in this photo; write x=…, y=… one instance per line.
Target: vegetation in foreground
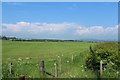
x=109, y=55
x=25, y=57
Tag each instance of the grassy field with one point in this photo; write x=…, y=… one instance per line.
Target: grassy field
x=25, y=57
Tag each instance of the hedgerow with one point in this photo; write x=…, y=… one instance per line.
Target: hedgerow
x=107, y=52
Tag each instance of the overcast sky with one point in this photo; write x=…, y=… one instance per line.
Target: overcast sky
x=82, y=20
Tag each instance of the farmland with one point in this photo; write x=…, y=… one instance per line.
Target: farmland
x=25, y=57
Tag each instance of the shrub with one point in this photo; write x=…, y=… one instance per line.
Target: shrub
x=107, y=52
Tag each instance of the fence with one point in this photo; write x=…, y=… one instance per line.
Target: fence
x=57, y=69
x=43, y=72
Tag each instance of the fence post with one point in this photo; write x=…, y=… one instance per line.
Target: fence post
x=42, y=67
x=72, y=58
x=22, y=77
x=56, y=69
x=60, y=65
x=10, y=68
x=101, y=68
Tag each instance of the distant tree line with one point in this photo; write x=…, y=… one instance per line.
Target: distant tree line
x=7, y=38
x=48, y=40
x=41, y=40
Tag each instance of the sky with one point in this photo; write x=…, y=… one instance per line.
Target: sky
x=60, y=20
x=60, y=0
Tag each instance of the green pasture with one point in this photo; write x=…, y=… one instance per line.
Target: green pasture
x=25, y=57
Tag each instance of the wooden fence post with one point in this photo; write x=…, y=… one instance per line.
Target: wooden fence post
x=56, y=69
x=42, y=67
x=72, y=58
x=10, y=68
x=22, y=77
x=60, y=65
x=101, y=67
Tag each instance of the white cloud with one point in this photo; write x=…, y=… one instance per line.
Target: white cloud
x=68, y=29
x=15, y=3
x=98, y=32
x=36, y=27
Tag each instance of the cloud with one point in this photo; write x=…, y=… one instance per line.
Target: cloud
x=61, y=30
x=98, y=32
x=15, y=3
x=36, y=27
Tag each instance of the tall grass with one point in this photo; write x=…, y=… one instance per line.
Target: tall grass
x=25, y=57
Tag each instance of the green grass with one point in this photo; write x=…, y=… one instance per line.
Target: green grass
x=13, y=51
